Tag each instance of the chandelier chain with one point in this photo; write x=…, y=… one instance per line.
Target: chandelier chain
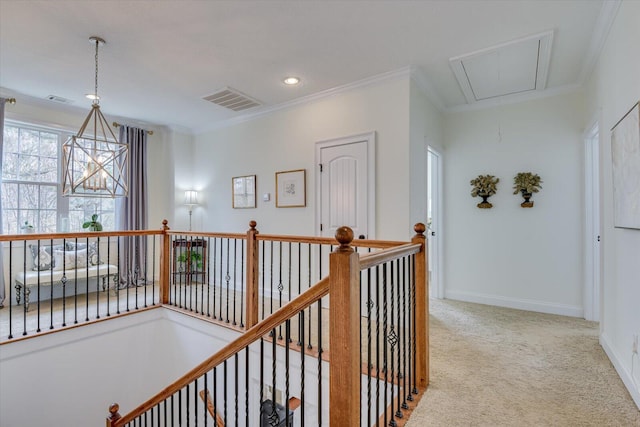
x=96, y=100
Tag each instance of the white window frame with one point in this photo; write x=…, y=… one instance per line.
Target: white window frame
x=62, y=203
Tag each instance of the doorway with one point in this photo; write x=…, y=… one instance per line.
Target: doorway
x=434, y=222
x=345, y=185
x=592, y=273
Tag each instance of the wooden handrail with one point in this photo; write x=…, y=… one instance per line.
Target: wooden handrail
x=365, y=243
x=262, y=328
x=81, y=234
x=377, y=258
x=201, y=234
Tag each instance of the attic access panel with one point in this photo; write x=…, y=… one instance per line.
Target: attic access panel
x=510, y=68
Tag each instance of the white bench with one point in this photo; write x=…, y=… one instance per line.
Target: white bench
x=53, y=277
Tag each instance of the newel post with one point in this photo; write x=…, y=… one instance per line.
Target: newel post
x=113, y=415
x=165, y=263
x=344, y=336
x=422, y=308
x=252, y=275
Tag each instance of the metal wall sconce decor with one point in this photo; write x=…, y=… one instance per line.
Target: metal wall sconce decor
x=526, y=183
x=484, y=186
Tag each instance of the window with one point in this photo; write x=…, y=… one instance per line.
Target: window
x=31, y=185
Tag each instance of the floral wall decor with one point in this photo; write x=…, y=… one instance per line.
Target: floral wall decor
x=526, y=183
x=484, y=186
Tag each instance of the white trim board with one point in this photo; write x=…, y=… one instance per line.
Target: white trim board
x=517, y=303
x=625, y=375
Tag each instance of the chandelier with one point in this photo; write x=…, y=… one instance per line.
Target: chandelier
x=93, y=161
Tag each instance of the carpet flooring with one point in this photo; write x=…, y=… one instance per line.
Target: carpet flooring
x=494, y=366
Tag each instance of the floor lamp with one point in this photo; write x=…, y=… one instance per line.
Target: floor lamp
x=191, y=200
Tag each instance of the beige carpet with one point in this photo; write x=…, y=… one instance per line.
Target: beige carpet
x=501, y=367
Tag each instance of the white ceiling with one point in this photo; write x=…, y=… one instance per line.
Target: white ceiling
x=163, y=57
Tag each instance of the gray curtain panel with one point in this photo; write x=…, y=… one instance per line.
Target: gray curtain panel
x=2, y=291
x=131, y=211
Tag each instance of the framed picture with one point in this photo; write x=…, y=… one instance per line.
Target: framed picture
x=291, y=189
x=625, y=154
x=243, y=191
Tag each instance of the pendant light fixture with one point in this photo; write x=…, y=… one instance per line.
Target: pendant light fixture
x=93, y=161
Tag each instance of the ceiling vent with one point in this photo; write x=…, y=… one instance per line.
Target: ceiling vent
x=232, y=99
x=59, y=99
x=510, y=68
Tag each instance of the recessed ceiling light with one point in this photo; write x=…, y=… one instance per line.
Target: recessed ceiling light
x=291, y=81
x=92, y=96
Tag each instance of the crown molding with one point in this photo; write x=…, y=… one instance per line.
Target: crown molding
x=427, y=88
x=601, y=29
x=369, y=81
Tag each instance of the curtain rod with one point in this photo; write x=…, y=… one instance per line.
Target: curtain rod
x=116, y=124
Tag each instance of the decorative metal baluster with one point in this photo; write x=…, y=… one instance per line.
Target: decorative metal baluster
x=136, y=269
x=153, y=272
x=385, y=328
x=144, y=263
x=271, y=281
x=309, y=346
x=411, y=337
x=404, y=333
x=215, y=396
x=204, y=279
x=180, y=407
x=392, y=338
x=208, y=275
x=25, y=291
x=261, y=375
x=263, y=283
x=98, y=276
x=289, y=280
x=11, y=275
x=246, y=385
x=415, y=333
x=302, y=368
x=164, y=411
x=280, y=287
x=227, y=278
x=172, y=410
x=189, y=279
x=273, y=415
x=236, y=384
x=221, y=281
x=235, y=267
x=287, y=335
x=119, y=274
x=320, y=361
x=378, y=290
x=242, y=284
x=214, y=277
x=187, y=405
x=398, y=358
x=63, y=281
x=224, y=389
x=369, y=358
x=108, y=281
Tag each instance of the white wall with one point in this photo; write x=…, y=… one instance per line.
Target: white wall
x=426, y=128
x=286, y=139
x=76, y=374
x=508, y=255
x=614, y=88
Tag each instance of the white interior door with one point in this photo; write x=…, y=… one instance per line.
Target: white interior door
x=592, y=225
x=434, y=219
x=345, y=182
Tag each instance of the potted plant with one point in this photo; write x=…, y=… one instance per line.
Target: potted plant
x=93, y=224
x=195, y=258
x=526, y=183
x=484, y=186
x=27, y=228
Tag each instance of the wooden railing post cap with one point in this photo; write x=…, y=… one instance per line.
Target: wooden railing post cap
x=252, y=225
x=420, y=228
x=165, y=224
x=344, y=236
x=113, y=411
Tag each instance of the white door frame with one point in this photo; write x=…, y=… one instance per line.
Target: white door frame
x=592, y=233
x=369, y=138
x=437, y=291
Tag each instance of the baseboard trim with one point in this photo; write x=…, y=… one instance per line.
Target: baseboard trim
x=625, y=375
x=520, y=304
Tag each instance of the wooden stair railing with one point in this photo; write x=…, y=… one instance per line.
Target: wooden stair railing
x=262, y=328
x=343, y=285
